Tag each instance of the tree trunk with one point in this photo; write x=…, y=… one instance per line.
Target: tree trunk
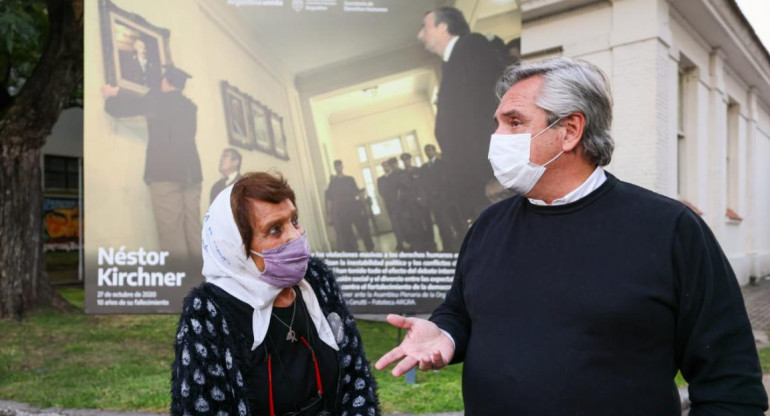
x=24, y=125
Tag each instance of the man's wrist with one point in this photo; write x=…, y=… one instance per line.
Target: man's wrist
x=448, y=335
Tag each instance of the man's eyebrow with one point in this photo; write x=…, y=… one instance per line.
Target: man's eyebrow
x=513, y=113
x=509, y=113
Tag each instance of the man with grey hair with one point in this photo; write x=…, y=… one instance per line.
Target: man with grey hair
x=584, y=294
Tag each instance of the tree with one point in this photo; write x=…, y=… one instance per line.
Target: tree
x=41, y=67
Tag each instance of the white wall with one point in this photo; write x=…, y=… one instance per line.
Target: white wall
x=640, y=45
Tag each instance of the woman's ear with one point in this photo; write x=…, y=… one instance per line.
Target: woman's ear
x=574, y=124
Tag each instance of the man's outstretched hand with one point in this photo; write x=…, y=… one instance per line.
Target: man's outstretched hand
x=424, y=344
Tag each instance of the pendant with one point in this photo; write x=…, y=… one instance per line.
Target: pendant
x=290, y=336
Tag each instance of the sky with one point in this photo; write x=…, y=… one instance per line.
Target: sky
x=757, y=12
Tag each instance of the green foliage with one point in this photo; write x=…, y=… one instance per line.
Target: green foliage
x=23, y=32
x=679, y=379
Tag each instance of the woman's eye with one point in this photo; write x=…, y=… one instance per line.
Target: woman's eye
x=274, y=230
x=295, y=221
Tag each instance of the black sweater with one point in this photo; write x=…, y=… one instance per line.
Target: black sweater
x=590, y=308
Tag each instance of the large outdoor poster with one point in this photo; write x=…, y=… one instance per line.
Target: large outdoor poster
x=381, y=128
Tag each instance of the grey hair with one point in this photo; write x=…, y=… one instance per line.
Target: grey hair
x=571, y=85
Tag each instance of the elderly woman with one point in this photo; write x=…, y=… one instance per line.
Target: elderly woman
x=268, y=333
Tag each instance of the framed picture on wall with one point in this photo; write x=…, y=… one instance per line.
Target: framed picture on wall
x=236, y=105
x=134, y=50
x=260, y=127
x=279, y=138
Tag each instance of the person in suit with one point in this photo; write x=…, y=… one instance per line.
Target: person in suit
x=445, y=214
x=465, y=101
x=413, y=201
x=345, y=211
x=172, y=168
x=387, y=187
x=230, y=168
x=135, y=66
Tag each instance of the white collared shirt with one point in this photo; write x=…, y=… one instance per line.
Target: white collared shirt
x=449, y=47
x=594, y=181
x=231, y=178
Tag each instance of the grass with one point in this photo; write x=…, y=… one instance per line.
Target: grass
x=121, y=362
x=435, y=391
x=764, y=359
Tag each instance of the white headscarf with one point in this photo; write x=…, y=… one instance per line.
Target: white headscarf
x=226, y=265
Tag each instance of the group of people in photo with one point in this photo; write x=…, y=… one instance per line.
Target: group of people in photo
x=419, y=203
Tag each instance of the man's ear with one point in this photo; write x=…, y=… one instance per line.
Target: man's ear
x=574, y=125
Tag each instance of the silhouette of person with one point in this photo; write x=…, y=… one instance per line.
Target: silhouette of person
x=345, y=211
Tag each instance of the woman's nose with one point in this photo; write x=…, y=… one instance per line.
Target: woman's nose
x=294, y=233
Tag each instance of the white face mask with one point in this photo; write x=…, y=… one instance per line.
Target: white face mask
x=509, y=157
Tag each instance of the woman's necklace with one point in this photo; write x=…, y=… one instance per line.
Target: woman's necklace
x=290, y=336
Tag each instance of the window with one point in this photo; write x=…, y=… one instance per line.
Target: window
x=681, y=150
x=732, y=162
x=687, y=83
x=362, y=154
x=385, y=149
x=61, y=173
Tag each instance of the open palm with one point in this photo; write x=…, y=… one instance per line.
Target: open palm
x=424, y=344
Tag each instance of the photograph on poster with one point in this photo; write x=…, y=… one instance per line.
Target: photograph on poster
x=382, y=141
x=235, y=104
x=260, y=127
x=135, y=51
x=279, y=137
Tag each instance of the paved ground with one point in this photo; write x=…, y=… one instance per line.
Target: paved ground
x=757, y=298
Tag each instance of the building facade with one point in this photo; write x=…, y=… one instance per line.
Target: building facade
x=691, y=84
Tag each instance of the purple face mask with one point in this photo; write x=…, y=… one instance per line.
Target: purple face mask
x=286, y=264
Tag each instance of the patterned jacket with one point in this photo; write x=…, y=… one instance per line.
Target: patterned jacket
x=206, y=377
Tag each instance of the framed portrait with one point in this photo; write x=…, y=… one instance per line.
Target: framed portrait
x=134, y=49
x=279, y=138
x=259, y=118
x=236, y=117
